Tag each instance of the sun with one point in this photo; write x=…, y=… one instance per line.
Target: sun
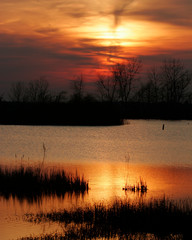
x=117, y=33
x=106, y=34
x=116, y=36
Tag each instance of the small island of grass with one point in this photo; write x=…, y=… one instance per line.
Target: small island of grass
x=32, y=182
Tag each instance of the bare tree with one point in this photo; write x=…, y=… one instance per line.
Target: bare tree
x=1, y=97
x=175, y=80
x=78, y=88
x=60, y=97
x=38, y=90
x=18, y=92
x=125, y=74
x=188, y=97
x=119, y=84
x=107, y=88
x=34, y=91
x=145, y=93
x=153, y=85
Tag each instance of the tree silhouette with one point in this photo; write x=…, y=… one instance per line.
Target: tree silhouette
x=35, y=91
x=121, y=81
x=38, y=90
x=107, y=88
x=175, y=80
x=1, y=97
x=78, y=88
x=125, y=75
x=17, y=92
x=169, y=83
x=60, y=97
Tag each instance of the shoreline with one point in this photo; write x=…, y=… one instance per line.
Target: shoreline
x=89, y=113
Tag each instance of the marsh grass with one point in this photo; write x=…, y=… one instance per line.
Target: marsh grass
x=74, y=234
x=162, y=218
x=31, y=182
x=140, y=186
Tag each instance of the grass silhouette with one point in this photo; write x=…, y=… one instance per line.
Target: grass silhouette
x=31, y=182
x=162, y=219
x=140, y=186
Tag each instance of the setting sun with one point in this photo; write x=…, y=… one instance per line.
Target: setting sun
x=113, y=36
x=95, y=119
x=70, y=38
x=117, y=33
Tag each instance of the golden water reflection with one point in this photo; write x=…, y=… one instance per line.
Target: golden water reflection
x=106, y=181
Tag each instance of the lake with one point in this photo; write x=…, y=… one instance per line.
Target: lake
x=108, y=157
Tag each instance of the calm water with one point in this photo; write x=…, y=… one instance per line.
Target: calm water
x=108, y=157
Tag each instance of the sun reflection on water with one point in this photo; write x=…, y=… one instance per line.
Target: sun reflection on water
x=106, y=181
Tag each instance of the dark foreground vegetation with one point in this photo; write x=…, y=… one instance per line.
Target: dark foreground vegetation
x=77, y=113
x=156, y=219
x=72, y=235
x=139, y=187
x=89, y=113
x=34, y=182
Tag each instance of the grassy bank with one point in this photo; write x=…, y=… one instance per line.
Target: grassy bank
x=32, y=182
x=159, y=219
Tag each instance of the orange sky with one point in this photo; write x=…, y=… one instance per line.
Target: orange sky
x=61, y=39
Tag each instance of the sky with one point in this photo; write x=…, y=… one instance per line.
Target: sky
x=61, y=39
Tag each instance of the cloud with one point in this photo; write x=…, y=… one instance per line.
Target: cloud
x=120, y=8
x=169, y=12
x=26, y=59
x=64, y=37
x=47, y=30
x=162, y=16
x=159, y=56
x=33, y=48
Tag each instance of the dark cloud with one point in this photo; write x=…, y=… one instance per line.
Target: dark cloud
x=174, y=12
x=159, y=57
x=54, y=37
x=28, y=59
x=33, y=48
x=170, y=12
x=168, y=16
x=120, y=8
x=47, y=30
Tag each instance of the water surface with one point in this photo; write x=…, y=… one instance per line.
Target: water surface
x=108, y=157
x=143, y=141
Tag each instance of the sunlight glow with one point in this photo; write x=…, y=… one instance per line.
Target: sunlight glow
x=113, y=36
x=71, y=37
x=118, y=33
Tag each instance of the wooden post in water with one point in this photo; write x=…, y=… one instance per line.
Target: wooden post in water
x=163, y=127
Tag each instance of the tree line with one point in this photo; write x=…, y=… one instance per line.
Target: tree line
x=168, y=83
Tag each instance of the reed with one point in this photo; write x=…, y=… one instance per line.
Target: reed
x=140, y=186
x=161, y=218
x=76, y=235
x=34, y=181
